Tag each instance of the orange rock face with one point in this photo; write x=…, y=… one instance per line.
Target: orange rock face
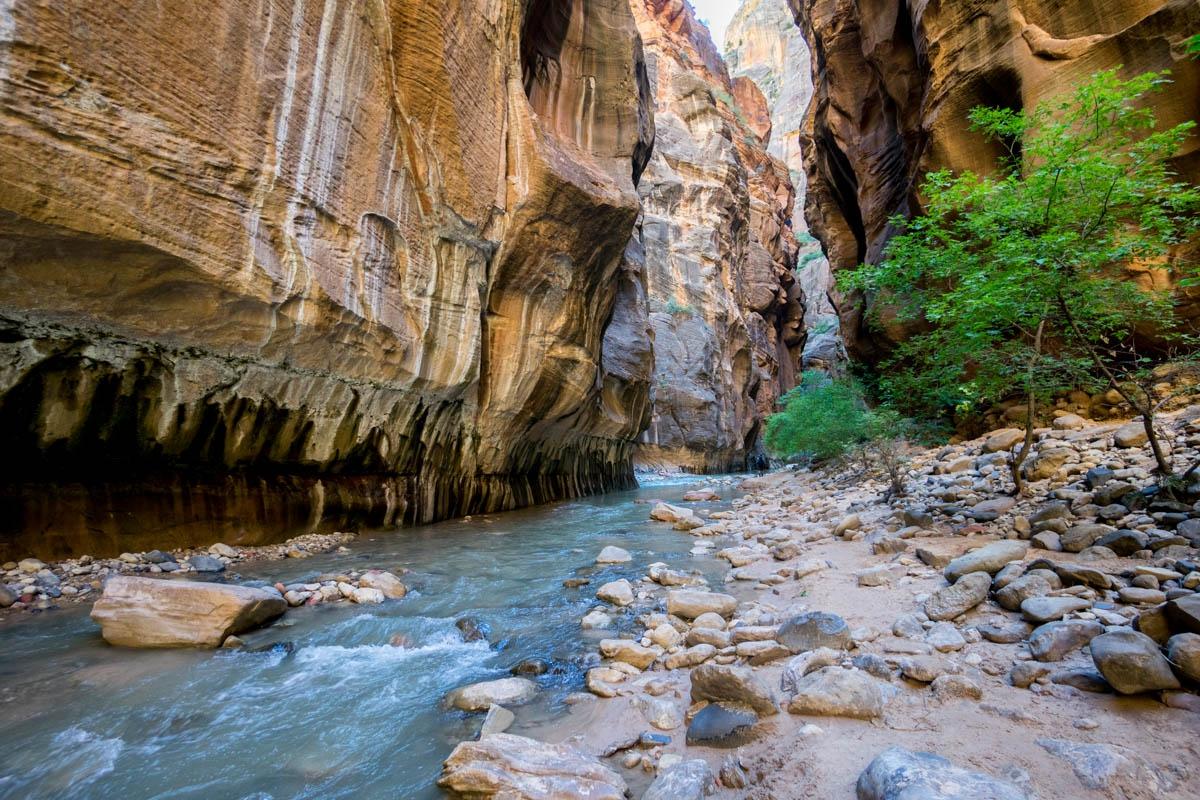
x=335, y=239
x=894, y=82
x=764, y=45
x=725, y=309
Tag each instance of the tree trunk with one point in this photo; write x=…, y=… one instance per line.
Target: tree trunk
x=1017, y=459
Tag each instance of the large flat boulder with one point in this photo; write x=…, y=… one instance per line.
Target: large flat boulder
x=690, y=603
x=989, y=558
x=899, y=774
x=149, y=612
x=503, y=692
x=516, y=768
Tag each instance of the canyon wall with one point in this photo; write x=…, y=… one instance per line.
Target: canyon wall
x=894, y=82
x=376, y=251
x=763, y=45
x=726, y=311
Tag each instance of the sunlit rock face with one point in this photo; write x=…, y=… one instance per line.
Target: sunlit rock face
x=763, y=45
x=333, y=239
x=726, y=311
x=894, y=82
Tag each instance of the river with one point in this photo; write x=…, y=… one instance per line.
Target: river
x=320, y=705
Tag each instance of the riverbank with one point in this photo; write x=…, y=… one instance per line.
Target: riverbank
x=1044, y=670
x=34, y=585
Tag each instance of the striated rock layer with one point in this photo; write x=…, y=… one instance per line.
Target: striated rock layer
x=894, y=82
x=331, y=239
x=763, y=45
x=726, y=311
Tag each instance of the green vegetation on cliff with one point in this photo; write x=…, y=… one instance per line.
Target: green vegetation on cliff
x=1018, y=282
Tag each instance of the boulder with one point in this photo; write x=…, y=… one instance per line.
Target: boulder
x=687, y=780
x=206, y=564
x=1052, y=641
x=1020, y=590
x=613, y=555
x=498, y=720
x=1183, y=614
x=503, y=692
x=721, y=725
x=619, y=593
x=1123, y=542
x=1131, y=434
x=690, y=603
x=1003, y=440
x=926, y=669
x=838, y=692
x=730, y=684
x=955, y=687
x=516, y=768
x=1080, y=537
x=950, y=601
x=1110, y=770
x=146, y=612
x=899, y=774
x=989, y=558
x=366, y=595
x=1048, y=609
x=629, y=652
x=386, y=582
x=813, y=630
x=1047, y=462
x=1132, y=663
x=696, y=654
x=799, y=666
x=1183, y=650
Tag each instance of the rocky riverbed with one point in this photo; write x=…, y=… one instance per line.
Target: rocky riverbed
x=806, y=639
x=957, y=640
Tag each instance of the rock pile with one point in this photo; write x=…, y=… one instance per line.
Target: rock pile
x=33, y=584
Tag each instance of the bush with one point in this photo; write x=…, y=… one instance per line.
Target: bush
x=822, y=418
x=827, y=417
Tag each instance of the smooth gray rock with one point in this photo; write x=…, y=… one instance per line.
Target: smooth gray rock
x=989, y=558
x=814, y=630
x=1020, y=590
x=1048, y=609
x=899, y=774
x=1081, y=537
x=1183, y=649
x=950, y=601
x=1132, y=663
x=7, y=598
x=206, y=564
x=721, y=725
x=1008, y=633
x=1116, y=770
x=687, y=780
x=1052, y=641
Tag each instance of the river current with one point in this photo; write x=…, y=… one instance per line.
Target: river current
x=321, y=704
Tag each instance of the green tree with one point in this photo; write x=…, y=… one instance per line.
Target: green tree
x=828, y=417
x=1018, y=278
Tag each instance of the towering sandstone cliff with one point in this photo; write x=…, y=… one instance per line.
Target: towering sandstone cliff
x=763, y=45
x=382, y=244
x=895, y=80
x=725, y=308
